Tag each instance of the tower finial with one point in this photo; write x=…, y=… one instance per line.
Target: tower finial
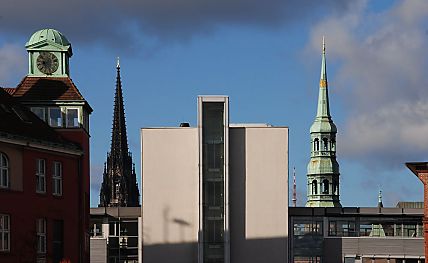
x=379, y=202
x=323, y=44
x=118, y=63
x=294, y=188
x=323, y=79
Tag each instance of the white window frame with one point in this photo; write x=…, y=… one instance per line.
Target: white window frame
x=4, y=170
x=41, y=235
x=40, y=176
x=78, y=117
x=57, y=178
x=61, y=114
x=40, y=108
x=4, y=233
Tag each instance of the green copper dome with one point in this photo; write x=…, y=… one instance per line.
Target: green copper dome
x=50, y=36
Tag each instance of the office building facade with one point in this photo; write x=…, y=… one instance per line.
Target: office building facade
x=217, y=192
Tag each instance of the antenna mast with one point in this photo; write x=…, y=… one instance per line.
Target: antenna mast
x=294, y=188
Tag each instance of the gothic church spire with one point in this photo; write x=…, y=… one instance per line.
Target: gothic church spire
x=119, y=187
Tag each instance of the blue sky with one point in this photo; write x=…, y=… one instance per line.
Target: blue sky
x=266, y=57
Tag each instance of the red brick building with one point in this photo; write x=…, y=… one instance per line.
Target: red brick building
x=44, y=159
x=420, y=169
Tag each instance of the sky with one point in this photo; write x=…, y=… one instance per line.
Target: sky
x=266, y=55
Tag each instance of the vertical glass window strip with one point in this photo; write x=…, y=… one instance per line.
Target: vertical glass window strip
x=72, y=118
x=213, y=181
x=40, y=176
x=41, y=235
x=55, y=117
x=4, y=171
x=40, y=112
x=57, y=178
x=4, y=233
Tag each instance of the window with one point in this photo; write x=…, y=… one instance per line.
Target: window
x=40, y=112
x=55, y=117
x=40, y=176
x=214, y=155
x=342, y=227
x=325, y=186
x=58, y=240
x=214, y=231
x=316, y=144
x=4, y=233
x=72, y=118
x=335, y=188
x=214, y=193
x=41, y=235
x=4, y=171
x=57, y=178
x=325, y=140
x=314, y=187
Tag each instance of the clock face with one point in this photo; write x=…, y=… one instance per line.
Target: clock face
x=47, y=63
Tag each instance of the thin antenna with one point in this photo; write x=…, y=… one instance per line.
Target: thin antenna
x=294, y=188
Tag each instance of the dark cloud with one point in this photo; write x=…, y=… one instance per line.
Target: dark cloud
x=127, y=22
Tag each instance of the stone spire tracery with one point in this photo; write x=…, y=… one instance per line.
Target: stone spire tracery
x=119, y=187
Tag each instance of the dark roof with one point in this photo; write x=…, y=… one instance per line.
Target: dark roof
x=9, y=90
x=354, y=211
x=18, y=122
x=47, y=88
x=418, y=167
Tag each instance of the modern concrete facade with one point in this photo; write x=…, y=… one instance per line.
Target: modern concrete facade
x=217, y=192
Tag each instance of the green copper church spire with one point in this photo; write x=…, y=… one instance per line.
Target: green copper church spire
x=323, y=169
x=323, y=105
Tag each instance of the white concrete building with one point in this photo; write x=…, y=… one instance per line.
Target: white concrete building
x=216, y=192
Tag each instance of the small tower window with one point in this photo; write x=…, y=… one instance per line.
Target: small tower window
x=325, y=140
x=72, y=118
x=4, y=171
x=325, y=186
x=314, y=187
x=335, y=187
x=316, y=144
x=333, y=145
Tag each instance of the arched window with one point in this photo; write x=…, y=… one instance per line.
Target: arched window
x=333, y=145
x=314, y=187
x=4, y=171
x=335, y=187
x=325, y=141
x=325, y=186
x=316, y=144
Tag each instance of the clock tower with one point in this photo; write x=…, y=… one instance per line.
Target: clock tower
x=48, y=54
x=49, y=92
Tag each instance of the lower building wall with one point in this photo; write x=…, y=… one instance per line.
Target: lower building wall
x=336, y=249
x=98, y=250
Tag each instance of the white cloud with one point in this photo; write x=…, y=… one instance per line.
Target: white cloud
x=382, y=79
x=12, y=63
